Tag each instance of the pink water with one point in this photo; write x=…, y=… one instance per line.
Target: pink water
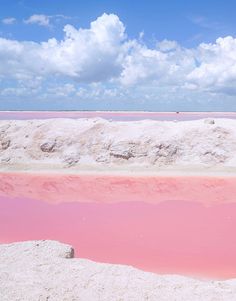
x=118, y=116
x=177, y=225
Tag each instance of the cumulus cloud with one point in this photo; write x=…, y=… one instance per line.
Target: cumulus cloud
x=42, y=20
x=167, y=45
x=86, y=55
x=160, y=66
x=216, y=70
x=103, y=53
x=9, y=21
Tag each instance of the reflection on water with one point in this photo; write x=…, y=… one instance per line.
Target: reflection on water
x=181, y=225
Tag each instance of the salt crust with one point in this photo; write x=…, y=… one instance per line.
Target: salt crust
x=98, y=143
x=46, y=270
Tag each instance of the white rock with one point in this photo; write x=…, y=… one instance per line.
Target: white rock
x=64, y=143
x=45, y=270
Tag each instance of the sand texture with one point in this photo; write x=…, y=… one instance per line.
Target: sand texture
x=96, y=142
x=46, y=270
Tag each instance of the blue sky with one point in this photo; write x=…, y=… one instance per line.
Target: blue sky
x=125, y=55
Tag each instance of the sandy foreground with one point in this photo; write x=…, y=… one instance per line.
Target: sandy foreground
x=99, y=144
x=51, y=273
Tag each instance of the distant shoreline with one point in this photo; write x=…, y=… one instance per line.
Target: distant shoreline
x=115, y=115
x=118, y=111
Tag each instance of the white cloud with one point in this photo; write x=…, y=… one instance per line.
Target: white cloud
x=62, y=90
x=86, y=55
x=98, y=91
x=46, y=20
x=9, y=21
x=103, y=53
x=167, y=45
x=157, y=66
x=42, y=20
x=217, y=66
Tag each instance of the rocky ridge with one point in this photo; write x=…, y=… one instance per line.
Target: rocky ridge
x=99, y=142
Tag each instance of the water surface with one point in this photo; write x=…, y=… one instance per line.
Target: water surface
x=116, y=116
x=176, y=225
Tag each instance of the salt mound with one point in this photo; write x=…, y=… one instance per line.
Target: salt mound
x=97, y=142
x=41, y=270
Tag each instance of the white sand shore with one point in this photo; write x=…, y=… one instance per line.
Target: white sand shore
x=45, y=270
x=98, y=144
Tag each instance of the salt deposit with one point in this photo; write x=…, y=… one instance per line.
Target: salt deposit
x=64, y=143
x=46, y=270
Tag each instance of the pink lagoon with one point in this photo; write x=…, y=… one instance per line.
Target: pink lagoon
x=114, y=115
x=175, y=225
x=164, y=222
